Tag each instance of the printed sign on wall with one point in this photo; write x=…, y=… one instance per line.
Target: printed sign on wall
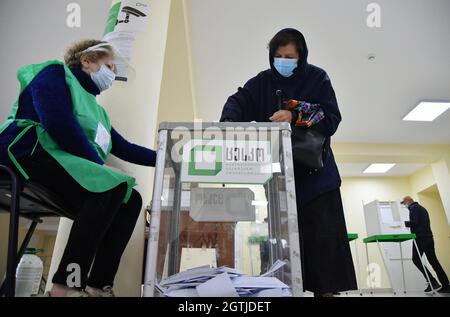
x=125, y=19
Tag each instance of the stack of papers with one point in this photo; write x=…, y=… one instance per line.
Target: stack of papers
x=205, y=281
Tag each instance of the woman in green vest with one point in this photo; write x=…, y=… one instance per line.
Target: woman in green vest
x=57, y=135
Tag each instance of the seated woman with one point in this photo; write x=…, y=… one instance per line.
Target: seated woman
x=58, y=136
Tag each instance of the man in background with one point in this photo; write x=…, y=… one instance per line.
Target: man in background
x=419, y=223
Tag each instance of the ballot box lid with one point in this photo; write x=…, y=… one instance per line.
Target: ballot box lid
x=191, y=126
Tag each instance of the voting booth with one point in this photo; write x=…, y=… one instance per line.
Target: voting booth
x=385, y=225
x=223, y=196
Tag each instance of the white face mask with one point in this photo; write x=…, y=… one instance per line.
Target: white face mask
x=103, y=78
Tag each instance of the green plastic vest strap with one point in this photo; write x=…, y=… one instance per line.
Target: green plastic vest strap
x=96, y=125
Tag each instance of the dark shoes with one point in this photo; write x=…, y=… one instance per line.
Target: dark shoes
x=435, y=285
x=445, y=289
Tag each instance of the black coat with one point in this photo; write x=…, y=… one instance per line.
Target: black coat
x=419, y=221
x=257, y=101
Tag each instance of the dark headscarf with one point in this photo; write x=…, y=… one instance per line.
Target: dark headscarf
x=283, y=38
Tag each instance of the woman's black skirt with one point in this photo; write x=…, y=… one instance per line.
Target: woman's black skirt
x=327, y=264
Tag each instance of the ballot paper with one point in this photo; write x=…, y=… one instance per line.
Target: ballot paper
x=257, y=282
x=184, y=292
x=205, y=281
x=275, y=267
x=219, y=286
x=274, y=292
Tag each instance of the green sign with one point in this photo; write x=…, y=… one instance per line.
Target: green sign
x=211, y=150
x=112, y=18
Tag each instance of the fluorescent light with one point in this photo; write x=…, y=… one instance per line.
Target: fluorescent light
x=427, y=111
x=378, y=168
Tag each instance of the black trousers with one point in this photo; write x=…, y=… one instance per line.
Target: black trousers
x=102, y=224
x=327, y=263
x=426, y=246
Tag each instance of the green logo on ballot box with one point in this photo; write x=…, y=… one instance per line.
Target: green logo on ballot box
x=205, y=160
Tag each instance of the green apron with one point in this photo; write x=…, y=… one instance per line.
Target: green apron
x=96, y=125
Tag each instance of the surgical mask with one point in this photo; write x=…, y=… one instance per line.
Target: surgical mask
x=285, y=66
x=103, y=78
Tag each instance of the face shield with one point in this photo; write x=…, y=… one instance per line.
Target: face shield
x=124, y=70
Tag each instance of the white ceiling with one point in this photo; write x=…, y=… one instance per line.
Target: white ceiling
x=229, y=39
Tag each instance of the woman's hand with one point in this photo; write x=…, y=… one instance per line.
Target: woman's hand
x=281, y=116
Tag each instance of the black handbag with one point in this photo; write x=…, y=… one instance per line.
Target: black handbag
x=308, y=147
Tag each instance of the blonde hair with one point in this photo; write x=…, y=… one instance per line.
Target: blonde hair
x=73, y=54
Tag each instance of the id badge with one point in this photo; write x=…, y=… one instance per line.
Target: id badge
x=103, y=138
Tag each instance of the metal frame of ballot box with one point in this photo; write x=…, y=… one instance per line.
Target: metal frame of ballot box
x=164, y=243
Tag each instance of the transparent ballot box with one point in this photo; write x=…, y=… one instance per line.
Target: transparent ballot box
x=223, y=197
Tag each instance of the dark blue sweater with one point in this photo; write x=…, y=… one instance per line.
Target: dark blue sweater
x=257, y=101
x=47, y=100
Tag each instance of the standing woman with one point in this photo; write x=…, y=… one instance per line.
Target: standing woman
x=311, y=101
x=58, y=136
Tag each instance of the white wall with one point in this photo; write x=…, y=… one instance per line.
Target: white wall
x=179, y=106
x=441, y=172
x=432, y=201
x=35, y=31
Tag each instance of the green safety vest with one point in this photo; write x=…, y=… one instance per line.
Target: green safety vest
x=95, y=123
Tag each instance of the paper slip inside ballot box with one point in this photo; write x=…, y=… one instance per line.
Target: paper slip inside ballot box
x=219, y=286
x=275, y=267
x=205, y=281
